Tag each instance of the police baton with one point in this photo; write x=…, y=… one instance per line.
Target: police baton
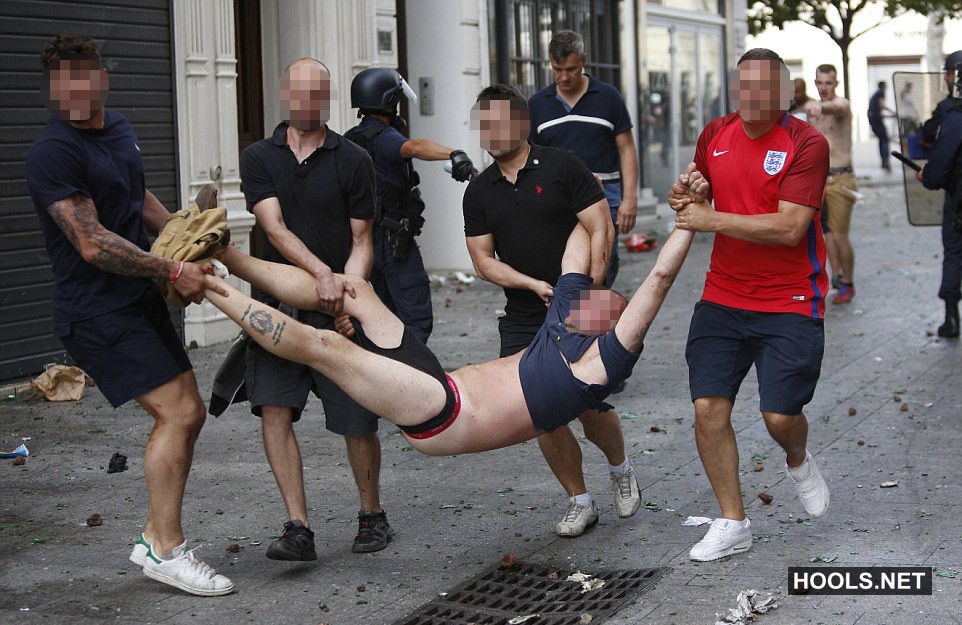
x=906, y=160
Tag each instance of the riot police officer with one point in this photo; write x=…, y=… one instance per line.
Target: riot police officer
x=398, y=276
x=944, y=171
x=931, y=126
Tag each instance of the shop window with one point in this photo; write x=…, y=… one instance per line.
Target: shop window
x=701, y=6
x=522, y=29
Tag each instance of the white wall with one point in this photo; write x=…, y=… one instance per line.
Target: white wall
x=905, y=35
x=448, y=41
x=206, y=77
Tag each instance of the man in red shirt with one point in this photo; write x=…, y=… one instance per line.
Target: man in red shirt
x=763, y=302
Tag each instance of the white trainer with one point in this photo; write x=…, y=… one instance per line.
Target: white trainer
x=186, y=572
x=724, y=538
x=577, y=519
x=141, y=548
x=812, y=490
x=625, y=489
x=220, y=269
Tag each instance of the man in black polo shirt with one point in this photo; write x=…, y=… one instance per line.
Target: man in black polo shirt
x=312, y=192
x=518, y=214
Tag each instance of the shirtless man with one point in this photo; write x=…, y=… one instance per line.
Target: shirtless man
x=587, y=346
x=832, y=116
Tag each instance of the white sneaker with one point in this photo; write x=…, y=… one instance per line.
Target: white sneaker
x=625, y=489
x=139, y=554
x=577, y=519
x=724, y=538
x=220, y=269
x=186, y=572
x=812, y=490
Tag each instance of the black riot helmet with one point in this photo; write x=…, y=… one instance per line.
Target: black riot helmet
x=379, y=89
x=954, y=62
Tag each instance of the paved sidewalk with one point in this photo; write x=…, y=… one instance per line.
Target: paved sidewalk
x=457, y=515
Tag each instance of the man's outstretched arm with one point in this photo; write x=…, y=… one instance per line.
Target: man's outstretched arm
x=637, y=318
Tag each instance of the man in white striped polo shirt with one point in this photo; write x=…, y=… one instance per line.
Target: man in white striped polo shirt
x=588, y=116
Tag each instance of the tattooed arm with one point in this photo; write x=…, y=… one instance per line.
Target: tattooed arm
x=155, y=214
x=77, y=217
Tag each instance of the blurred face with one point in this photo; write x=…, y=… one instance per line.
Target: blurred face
x=760, y=90
x=826, y=83
x=306, y=95
x=568, y=73
x=799, y=89
x=595, y=312
x=78, y=90
x=949, y=77
x=504, y=125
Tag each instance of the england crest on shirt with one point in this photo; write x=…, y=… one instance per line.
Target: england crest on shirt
x=774, y=161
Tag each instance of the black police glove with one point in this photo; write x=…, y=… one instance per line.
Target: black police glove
x=462, y=168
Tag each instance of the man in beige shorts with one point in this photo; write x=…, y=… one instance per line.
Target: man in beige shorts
x=832, y=116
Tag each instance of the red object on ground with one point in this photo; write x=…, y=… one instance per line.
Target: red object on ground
x=640, y=242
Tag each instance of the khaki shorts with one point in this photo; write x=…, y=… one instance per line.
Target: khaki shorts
x=839, y=200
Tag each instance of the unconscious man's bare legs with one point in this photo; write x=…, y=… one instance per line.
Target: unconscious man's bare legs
x=388, y=388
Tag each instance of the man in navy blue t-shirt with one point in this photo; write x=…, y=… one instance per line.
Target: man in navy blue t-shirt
x=86, y=179
x=589, y=117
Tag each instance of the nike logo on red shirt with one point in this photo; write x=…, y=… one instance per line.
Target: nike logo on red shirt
x=717, y=153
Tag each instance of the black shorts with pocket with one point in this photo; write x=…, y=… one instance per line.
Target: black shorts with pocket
x=273, y=381
x=127, y=352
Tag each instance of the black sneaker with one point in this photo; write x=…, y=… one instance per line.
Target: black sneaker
x=373, y=532
x=297, y=544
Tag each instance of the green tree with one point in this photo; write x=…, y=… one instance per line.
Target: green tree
x=835, y=17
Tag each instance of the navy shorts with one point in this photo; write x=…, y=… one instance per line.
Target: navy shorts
x=273, y=381
x=127, y=352
x=516, y=335
x=786, y=349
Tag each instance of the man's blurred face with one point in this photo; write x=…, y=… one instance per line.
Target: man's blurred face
x=799, y=89
x=306, y=95
x=596, y=311
x=78, y=89
x=504, y=125
x=760, y=89
x=826, y=82
x=949, y=77
x=567, y=73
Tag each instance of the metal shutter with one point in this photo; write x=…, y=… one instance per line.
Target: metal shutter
x=136, y=47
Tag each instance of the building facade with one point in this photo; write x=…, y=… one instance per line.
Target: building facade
x=888, y=46
x=199, y=81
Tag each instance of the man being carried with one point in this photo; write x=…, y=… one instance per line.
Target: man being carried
x=583, y=351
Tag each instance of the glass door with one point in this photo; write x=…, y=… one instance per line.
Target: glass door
x=685, y=90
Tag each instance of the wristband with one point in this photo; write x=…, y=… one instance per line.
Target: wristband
x=180, y=270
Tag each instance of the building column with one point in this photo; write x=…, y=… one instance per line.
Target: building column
x=205, y=68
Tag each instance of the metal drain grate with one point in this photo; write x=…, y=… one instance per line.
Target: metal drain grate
x=496, y=595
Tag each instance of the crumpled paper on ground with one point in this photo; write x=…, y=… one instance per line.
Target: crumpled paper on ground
x=588, y=582
x=695, y=521
x=749, y=607
x=60, y=383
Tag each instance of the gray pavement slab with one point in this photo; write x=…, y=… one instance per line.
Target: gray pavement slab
x=457, y=515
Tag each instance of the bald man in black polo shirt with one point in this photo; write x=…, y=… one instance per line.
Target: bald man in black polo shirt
x=518, y=214
x=312, y=192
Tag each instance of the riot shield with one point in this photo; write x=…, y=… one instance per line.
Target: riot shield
x=916, y=94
